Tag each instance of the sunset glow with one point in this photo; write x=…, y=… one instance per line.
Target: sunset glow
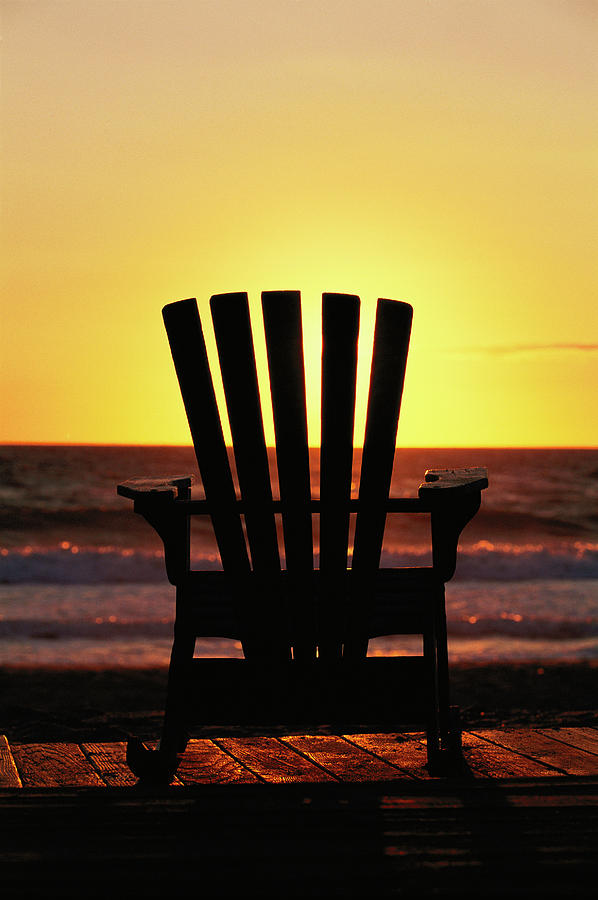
x=439, y=153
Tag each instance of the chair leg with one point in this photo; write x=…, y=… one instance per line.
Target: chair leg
x=443, y=672
x=432, y=717
x=174, y=730
x=446, y=757
x=159, y=766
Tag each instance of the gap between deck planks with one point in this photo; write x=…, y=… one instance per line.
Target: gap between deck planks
x=492, y=754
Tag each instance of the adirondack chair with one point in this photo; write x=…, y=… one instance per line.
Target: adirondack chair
x=304, y=630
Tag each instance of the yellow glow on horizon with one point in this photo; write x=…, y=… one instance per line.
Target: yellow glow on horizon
x=442, y=154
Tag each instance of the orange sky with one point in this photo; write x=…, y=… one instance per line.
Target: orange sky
x=442, y=153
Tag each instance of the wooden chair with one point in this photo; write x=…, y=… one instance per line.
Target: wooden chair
x=304, y=630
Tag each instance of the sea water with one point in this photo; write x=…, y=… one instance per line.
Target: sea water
x=82, y=577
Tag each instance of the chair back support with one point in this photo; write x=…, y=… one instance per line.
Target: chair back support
x=314, y=619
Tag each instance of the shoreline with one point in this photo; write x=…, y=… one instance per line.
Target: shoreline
x=98, y=704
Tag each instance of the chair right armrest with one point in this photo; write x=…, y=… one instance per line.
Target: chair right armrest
x=441, y=482
x=453, y=497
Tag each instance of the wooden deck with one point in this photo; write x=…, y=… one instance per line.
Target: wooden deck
x=306, y=816
x=488, y=754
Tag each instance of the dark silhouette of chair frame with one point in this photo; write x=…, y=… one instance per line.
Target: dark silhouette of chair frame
x=304, y=630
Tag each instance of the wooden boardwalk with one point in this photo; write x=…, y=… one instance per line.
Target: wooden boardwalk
x=489, y=754
x=306, y=816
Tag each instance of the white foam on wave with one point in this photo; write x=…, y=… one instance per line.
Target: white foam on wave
x=484, y=561
x=71, y=564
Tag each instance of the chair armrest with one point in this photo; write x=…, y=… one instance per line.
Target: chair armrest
x=178, y=486
x=453, y=497
x=158, y=500
x=440, y=482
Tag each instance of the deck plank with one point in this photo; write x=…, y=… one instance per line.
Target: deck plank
x=9, y=776
x=583, y=738
x=204, y=762
x=274, y=761
x=404, y=751
x=487, y=757
x=342, y=759
x=548, y=751
x=54, y=765
x=110, y=762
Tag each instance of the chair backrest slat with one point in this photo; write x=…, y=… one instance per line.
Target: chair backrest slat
x=188, y=349
x=340, y=330
x=389, y=359
x=284, y=344
x=232, y=327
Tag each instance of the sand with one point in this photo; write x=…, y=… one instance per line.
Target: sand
x=62, y=704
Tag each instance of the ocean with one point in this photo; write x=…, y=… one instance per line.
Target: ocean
x=82, y=579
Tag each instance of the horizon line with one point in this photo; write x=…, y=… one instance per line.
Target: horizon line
x=310, y=447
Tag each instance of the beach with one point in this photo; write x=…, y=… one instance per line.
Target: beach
x=65, y=704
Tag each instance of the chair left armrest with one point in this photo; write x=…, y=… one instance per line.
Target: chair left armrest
x=162, y=503
x=178, y=486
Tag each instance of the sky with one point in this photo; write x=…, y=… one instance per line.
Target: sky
x=441, y=152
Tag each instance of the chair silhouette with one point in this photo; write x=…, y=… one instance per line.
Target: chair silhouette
x=304, y=630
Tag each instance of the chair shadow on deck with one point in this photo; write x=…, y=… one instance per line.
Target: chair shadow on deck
x=448, y=838
x=304, y=630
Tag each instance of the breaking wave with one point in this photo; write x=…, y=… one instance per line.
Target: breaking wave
x=484, y=561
